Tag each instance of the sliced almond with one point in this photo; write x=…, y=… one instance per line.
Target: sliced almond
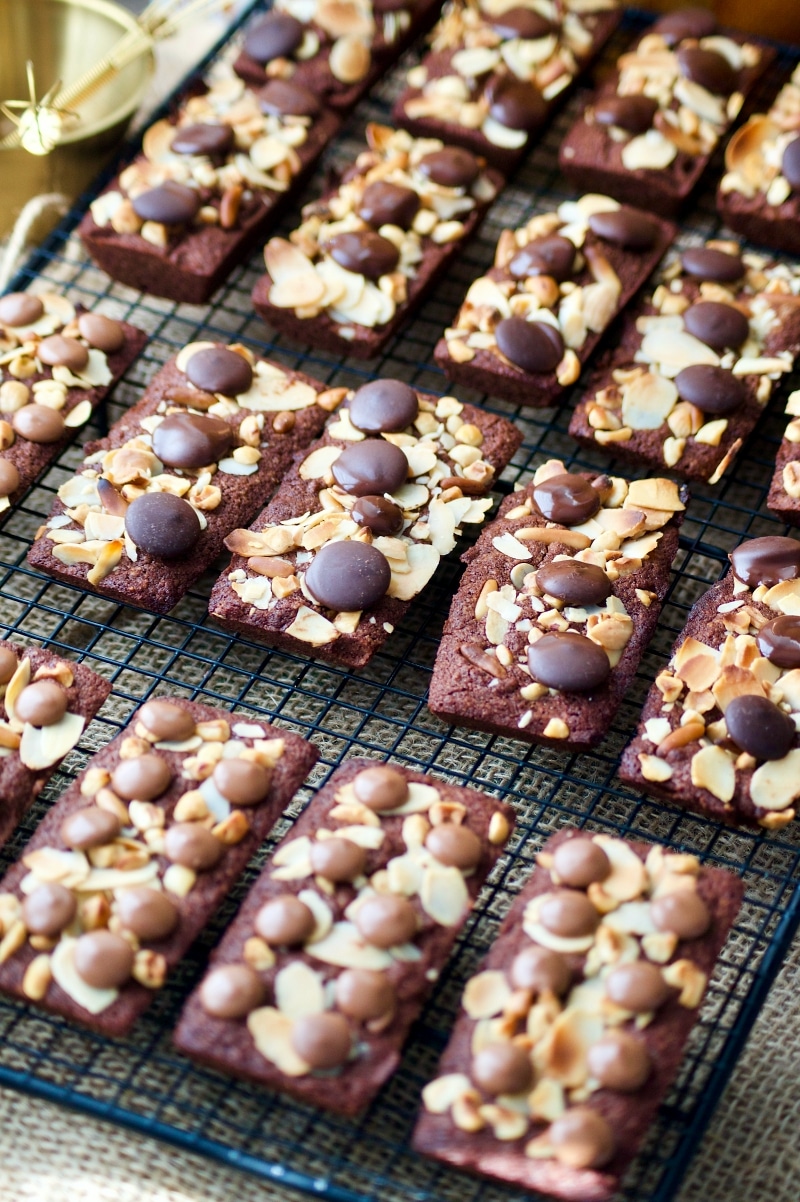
x=344, y=947
x=41, y=747
x=486, y=994
x=776, y=784
x=444, y=895
x=62, y=964
x=299, y=990
x=271, y=1032
x=713, y=769
x=439, y=1095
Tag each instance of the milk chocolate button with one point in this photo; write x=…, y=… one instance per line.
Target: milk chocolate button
x=683, y=912
x=338, y=860
x=383, y=203
x=103, y=333
x=231, y=991
x=348, y=576
x=217, y=369
x=285, y=921
x=569, y=662
x=567, y=499
x=277, y=36
x=450, y=167
x=757, y=726
x=580, y=862
x=719, y=325
x=363, y=994
x=143, y=778
x=779, y=641
x=89, y=827
x=535, y=346
x=20, y=309
x=574, y=582
x=192, y=440
x=213, y=140
x=38, y=423
x=790, y=164
x=9, y=478
x=502, y=1068
x=686, y=23
x=540, y=970
x=638, y=987
x=552, y=255
x=712, y=389
x=322, y=1040
x=569, y=913
x=162, y=524
x=58, y=351
x=168, y=204
x=103, y=960
x=8, y=664
x=767, y=560
x=453, y=845
x=41, y=703
x=625, y=227
x=386, y=921
x=634, y=114
x=522, y=23
x=705, y=263
x=242, y=782
x=516, y=104
x=148, y=913
x=707, y=68
x=378, y=515
x=193, y=846
x=281, y=97
x=49, y=909
x=384, y=407
x=581, y=1138
x=363, y=252
x=619, y=1061
x=381, y=788
x=370, y=468
x=167, y=721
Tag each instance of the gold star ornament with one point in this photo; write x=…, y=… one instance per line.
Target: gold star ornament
x=38, y=122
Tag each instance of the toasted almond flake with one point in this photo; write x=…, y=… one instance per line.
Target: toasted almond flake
x=713, y=769
x=776, y=784
x=440, y=1094
x=271, y=1032
x=311, y=627
x=62, y=963
x=691, y=980
x=344, y=947
x=41, y=747
x=627, y=878
x=299, y=990
x=653, y=768
x=486, y=994
x=444, y=895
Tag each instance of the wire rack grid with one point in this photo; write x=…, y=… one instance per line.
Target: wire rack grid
x=141, y=1082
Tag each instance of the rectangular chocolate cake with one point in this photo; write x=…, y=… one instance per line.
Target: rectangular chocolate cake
x=695, y=362
x=572, y=1032
x=560, y=598
x=495, y=73
x=359, y=524
x=136, y=856
x=527, y=327
x=148, y=510
x=315, y=986
x=648, y=133
x=718, y=732
x=368, y=251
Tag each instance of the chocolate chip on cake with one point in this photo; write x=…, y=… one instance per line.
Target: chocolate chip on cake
x=192, y=440
x=364, y=253
x=779, y=641
x=450, y=167
x=220, y=370
x=101, y=332
x=381, y=788
x=277, y=35
x=535, y=346
x=285, y=921
x=166, y=721
x=231, y=991
x=89, y=827
x=767, y=560
x=216, y=141
x=170, y=203
x=371, y=468
x=150, y=914
x=385, y=203
x=103, y=960
x=713, y=390
x=580, y=862
x=759, y=727
x=574, y=582
x=551, y=255
x=42, y=703
x=566, y=499
x=619, y=1060
x=719, y=325
x=142, y=778
x=625, y=227
x=384, y=407
x=162, y=524
x=49, y=909
x=193, y=846
x=348, y=576
x=634, y=113
x=39, y=423
x=20, y=309
x=707, y=263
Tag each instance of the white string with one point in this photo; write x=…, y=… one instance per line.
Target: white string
x=36, y=207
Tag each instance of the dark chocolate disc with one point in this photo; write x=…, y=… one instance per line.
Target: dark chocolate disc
x=378, y=515
x=581, y=1138
x=103, y=960
x=539, y=969
x=169, y=204
x=42, y=703
x=38, y=423
x=568, y=662
x=281, y=97
x=686, y=23
x=338, y=860
x=634, y=114
x=619, y=1061
x=573, y=582
x=454, y=845
x=767, y=560
x=707, y=68
x=516, y=104
x=779, y=641
x=502, y=1067
x=380, y=788
x=193, y=846
x=569, y=914
x=567, y=499
x=551, y=255
x=348, y=576
x=162, y=524
x=450, y=167
x=142, y=778
x=148, y=913
x=322, y=1040
x=370, y=468
x=625, y=227
x=276, y=36
x=713, y=390
x=213, y=140
x=192, y=440
x=522, y=23
x=706, y=263
x=20, y=309
x=638, y=987
x=364, y=994
x=89, y=827
x=9, y=478
x=101, y=332
x=217, y=369
x=48, y=909
x=535, y=346
x=166, y=720
x=683, y=912
x=580, y=862
x=58, y=351
x=720, y=326
x=231, y=991
x=790, y=164
x=384, y=203
x=285, y=920
x=757, y=726
x=363, y=252
x=384, y=407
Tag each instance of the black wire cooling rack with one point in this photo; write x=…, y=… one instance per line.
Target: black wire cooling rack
x=141, y=1082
